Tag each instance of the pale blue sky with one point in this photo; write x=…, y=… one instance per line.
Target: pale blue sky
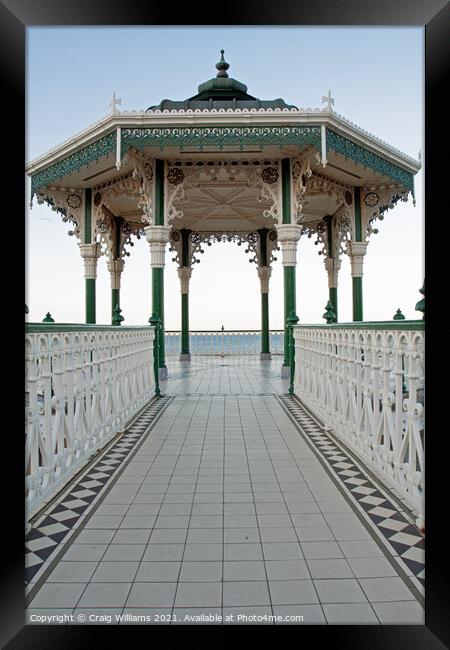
x=376, y=78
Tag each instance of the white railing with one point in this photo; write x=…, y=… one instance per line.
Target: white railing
x=228, y=342
x=365, y=382
x=83, y=383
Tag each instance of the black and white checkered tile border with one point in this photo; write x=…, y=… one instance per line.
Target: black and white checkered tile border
x=50, y=529
x=391, y=524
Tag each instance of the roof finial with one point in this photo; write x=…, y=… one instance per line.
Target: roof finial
x=222, y=66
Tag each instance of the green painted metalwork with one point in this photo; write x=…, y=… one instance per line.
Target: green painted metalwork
x=184, y=323
x=159, y=192
x=90, y=300
x=358, y=228
x=26, y=309
x=88, y=217
x=155, y=321
x=357, y=299
x=329, y=314
x=398, y=315
x=333, y=299
x=290, y=322
x=48, y=318
x=158, y=273
x=117, y=316
x=286, y=189
x=420, y=306
x=289, y=306
x=158, y=309
x=364, y=157
x=265, y=339
x=115, y=301
x=263, y=232
x=74, y=162
x=220, y=136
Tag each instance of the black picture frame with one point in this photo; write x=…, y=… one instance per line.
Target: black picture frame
x=15, y=17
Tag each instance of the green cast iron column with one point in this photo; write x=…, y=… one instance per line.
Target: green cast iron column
x=115, y=299
x=185, y=323
x=158, y=308
x=289, y=271
x=265, y=339
x=332, y=291
x=332, y=294
x=289, y=306
x=357, y=282
x=265, y=342
x=158, y=273
x=115, y=293
x=89, y=282
x=185, y=262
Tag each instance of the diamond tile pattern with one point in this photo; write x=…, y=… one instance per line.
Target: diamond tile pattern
x=48, y=531
x=402, y=536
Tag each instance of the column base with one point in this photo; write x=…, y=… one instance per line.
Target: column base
x=185, y=356
x=265, y=356
x=285, y=371
x=163, y=374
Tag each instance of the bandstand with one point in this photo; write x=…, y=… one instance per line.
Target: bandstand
x=219, y=166
x=223, y=165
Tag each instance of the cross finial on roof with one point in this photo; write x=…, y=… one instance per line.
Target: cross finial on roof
x=116, y=101
x=222, y=66
x=329, y=101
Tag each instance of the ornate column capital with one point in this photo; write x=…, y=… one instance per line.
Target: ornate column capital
x=157, y=237
x=288, y=236
x=356, y=251
x=90, y=254
x=332, y=266
x=264, y=273
x=115, y=268
x=184, y=273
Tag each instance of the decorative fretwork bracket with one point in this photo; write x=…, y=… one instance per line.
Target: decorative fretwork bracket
x=301, y=172
x=69, y=203
x=143, y=173
x=109, y=228
x=375, y=201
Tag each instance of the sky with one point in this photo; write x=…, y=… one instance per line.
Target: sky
x=376, y=76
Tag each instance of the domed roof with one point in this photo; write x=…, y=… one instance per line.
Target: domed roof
x=220, y=92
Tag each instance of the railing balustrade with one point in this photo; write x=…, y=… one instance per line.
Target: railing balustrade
x=365, y=382
x=228, y=342
x=83, y=383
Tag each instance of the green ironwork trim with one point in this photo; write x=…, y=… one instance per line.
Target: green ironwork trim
x=286, y=189
x=36, y=328
x=88, y=216
x=159, y=195
x=219, y=136
x=357, y=295
x=74, y=162
x=364, y=157
x=374, y=325
x=358, y=227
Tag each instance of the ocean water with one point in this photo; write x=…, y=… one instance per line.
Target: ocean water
x=228, y=343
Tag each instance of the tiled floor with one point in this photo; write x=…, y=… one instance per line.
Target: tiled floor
x=225, y=511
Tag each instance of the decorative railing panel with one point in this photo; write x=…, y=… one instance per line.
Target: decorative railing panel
x=82, y=385
x=229, y=342
x=365, y=382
